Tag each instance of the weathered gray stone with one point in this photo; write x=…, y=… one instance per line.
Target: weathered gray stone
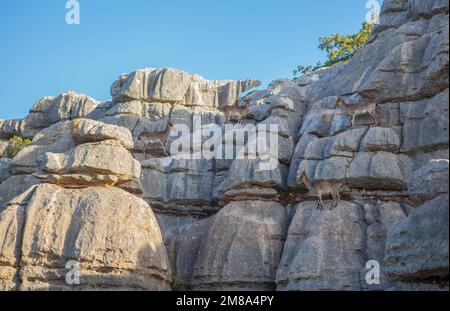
x=403, y=68
x=170, y=223
x=133, y=107
x=297, y=157
x=56, y=138
x=389, y=114
x=344, y=144
x=93, y=159
x=84, y=131
x=323, y=250
x=249, y=172
x=113, y=235
x=183, y=248
x=174, y=86
x=380, y=217
x=332, y=169
x=166, y=85
x=325, y=122
x=417, y=247
x=376, y=170
x=281, y=123
x=50, y=110
x=5, y=165
x=381, y=139
x=10, y=128
x=241, y=248
x=182, y=187
x=14, y=186
x=425, y=124
x=429, y=182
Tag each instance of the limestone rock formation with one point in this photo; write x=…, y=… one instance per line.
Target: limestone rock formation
x=112, y=235
x=5, y=164
x=430, y=181
x=174, y=86
x=417, y=247
x=47, y=111
x=106, y=160
x=239, y=248
x=85, y=190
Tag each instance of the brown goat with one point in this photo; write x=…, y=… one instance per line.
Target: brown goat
x=358, y=109
x=231, y=111
x=320, y=188
x=148, y=138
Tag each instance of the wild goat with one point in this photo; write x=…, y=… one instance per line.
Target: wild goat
x=320, y=188
x=358, y=109
x=148, y=138
x=232, y=111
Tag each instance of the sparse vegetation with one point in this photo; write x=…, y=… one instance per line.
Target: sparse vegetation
x=339, y=48
x=178, y=284
x=16, y=144
x=289, y=196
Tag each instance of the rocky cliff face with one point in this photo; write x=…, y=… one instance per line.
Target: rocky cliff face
x=84, y=191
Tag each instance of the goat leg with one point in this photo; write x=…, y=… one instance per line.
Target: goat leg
x=375, y=118
x=319, y=205
x=165, y=148
x=144, y=151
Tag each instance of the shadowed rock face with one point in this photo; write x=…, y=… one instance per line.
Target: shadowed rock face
x=239, y=248
x=417, y=247
x=225, y=223
x=113, y=235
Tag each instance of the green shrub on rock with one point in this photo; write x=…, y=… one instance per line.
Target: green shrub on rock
x=16, y=144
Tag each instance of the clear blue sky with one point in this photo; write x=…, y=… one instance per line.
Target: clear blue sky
x=234, y=39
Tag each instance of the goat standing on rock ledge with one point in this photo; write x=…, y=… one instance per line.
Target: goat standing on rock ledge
x=321, y=188
x=233, y=111
x=357, y=109
x=148, y=138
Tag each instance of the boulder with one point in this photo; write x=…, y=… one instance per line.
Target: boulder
x=96, y=160
x=332, y=169
x=13, y=186
x=182, y=186
x=84, y=131
x=150, y=84
x=425, y=124
x=429, y=182
x=56, y=138
x=324, y=122
x=323, y=249
x=240, y=249
x=175, y=86
x=380, y=139
x=380, y=217
x=50, y=110
x=377, y=170
x=183, y=248
x=344, y=144
x=417, y=246
x=112, y=235
x=297, y=158
x=252, y=172
x=69, y=106
x=9, y=128
x=5, y=165
x=134, y=107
